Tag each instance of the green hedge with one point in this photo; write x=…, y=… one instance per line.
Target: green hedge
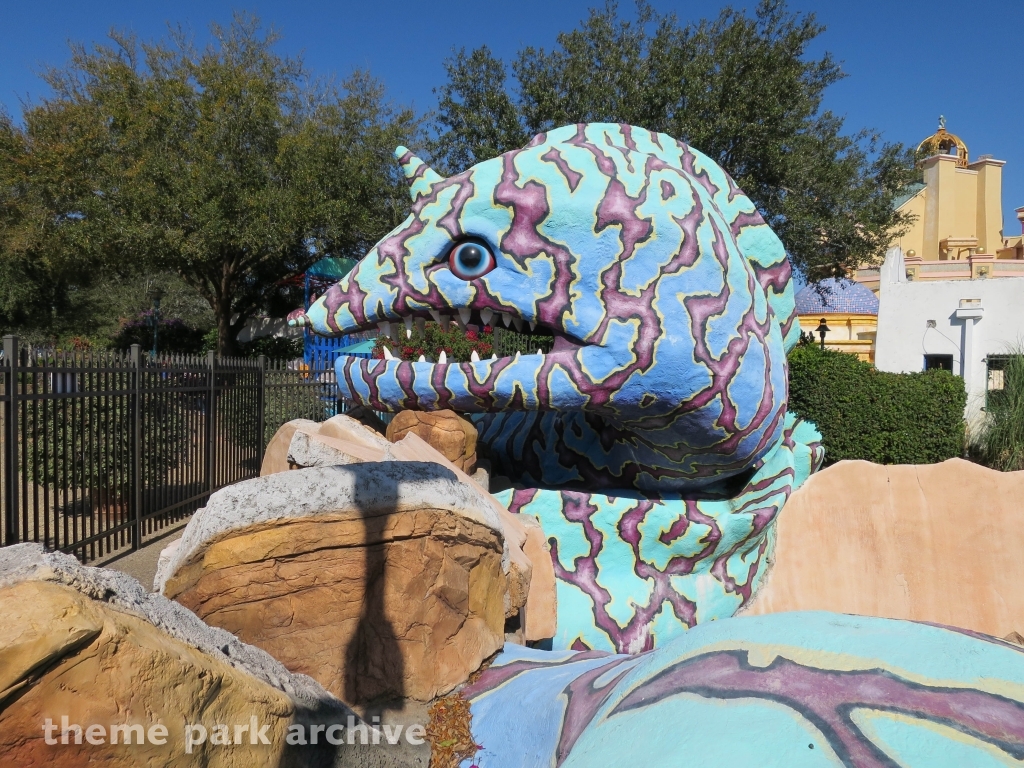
x=864, y=413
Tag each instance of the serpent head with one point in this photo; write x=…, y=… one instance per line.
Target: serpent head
x=668, y=297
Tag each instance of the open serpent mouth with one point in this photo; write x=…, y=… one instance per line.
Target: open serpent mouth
x=518, y=373
x=513, y=336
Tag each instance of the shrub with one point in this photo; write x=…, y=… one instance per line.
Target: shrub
x=457, y=344
x=274, y=347
x=175, y=336
x=1000, y=441
x=886, y=418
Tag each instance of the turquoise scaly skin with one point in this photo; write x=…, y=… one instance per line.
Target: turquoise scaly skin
x=663, y=401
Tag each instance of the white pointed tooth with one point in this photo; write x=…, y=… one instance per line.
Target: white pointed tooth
x=442, y=359
x=494, y=357
x=533, y=326
x=421, y=325
x=384, y=326
x=486, y=315
x=474, y=357
x=445, y=322
x=436, y=315
x=422, y=359
x=518, y=323
x=408, y=326
x=506, y=318
x=464, y=314
x=541, y=353
x=387, y=354
x=517, y=356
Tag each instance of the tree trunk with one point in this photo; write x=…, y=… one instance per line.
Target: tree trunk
x=227, y=345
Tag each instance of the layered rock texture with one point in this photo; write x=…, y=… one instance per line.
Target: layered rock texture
x=940, y=543
x=92, y=645
x=378, y=579
x=530, y=593
x=445, y=431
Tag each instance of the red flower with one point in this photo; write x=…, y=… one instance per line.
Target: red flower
x=488, y=329
x=472, y=336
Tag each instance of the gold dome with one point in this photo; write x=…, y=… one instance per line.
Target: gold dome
x=942, y=142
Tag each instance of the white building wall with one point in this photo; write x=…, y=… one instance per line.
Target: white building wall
x=938, y=317
x=257, y=327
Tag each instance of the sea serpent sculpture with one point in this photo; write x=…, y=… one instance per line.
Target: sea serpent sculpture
x=670, y=302
x=652, y=440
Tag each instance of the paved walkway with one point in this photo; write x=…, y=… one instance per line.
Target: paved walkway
x=142, y=563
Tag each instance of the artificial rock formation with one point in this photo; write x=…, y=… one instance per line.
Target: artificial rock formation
x=92, y=645
x=446, y=431
x=275, y=457
x=342, y=441
x=941, y=543
x=278, y=456
x=378, y=579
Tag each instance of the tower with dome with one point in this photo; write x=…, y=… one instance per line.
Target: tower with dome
x=957, y=232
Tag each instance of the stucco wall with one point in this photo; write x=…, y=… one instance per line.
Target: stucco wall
x=904, y=335
x=913, y=239
x=930, y=542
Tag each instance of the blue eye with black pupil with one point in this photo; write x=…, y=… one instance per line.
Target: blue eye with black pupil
x=470, y=260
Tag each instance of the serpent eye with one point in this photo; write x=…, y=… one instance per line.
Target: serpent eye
x=470, y=260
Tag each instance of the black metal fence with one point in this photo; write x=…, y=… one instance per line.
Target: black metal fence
x=101, y=450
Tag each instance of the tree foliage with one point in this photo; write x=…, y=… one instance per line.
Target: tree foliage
x=227, y=165
x=742, y=89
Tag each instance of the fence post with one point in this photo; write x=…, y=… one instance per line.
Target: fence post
x=211, y=420
x=261, y=440
x=136, y=424
x=12, y=355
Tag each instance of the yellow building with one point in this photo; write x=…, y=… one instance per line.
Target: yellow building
x=849, y=310
x=957, y=232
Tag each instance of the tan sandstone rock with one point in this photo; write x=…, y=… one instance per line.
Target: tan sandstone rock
x=377, y=579
x=92, y=646
x=942, y=543
x=452, y=436
x=275, y=458
x=541, y=607
x=312, y=448
x=344, y=427
x=340, y=441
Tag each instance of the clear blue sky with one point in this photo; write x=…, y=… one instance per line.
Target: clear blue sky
x=908, y=61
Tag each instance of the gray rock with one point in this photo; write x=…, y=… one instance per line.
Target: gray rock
x=306, y=451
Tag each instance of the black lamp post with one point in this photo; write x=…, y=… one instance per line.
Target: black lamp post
x=822, y=329
x=155, y=294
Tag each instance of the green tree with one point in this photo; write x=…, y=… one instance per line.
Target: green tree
x=476, y=116
x=740, y=88
x=226, y=165
x=38, y=276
